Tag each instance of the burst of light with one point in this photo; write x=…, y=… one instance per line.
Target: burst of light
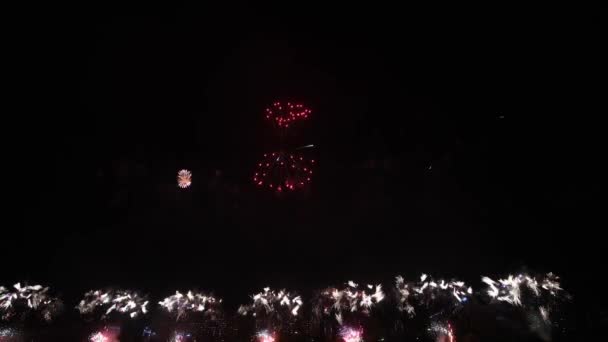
x=443, y=332
x=98, y=337
x=126, y=302
x=8, y=332
x=510, y=289
x=265, y=336
x=429, y=292
x=270, y=301
x=35, y=299
x=527, y=291
x=180, y=337
x=184, y=178
x=284, y=114
x=349, y=334
x=280, y=172
x=192, y=302
x=351, y=299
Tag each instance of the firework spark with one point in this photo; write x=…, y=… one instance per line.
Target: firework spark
x=184, y=178
x=539, y=293
x=273, y=309
x=282, y=171
x=180, y=337
x=433, y=294
x=404, y=295
x=113, y=301
x=270, y=301
x=99, y=337
x=349, y=334
x=285, y=114
x=443, y=332
x=192, y=302
x=265, y=336
x=510, y=289
x=24, y=300
x=351, y=300
x=8, y=332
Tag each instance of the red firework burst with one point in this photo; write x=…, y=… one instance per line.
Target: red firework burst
x=283, y=171
x=284, y=114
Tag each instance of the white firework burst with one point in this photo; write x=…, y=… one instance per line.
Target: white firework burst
x=192, y=302
x=184, y=178
x=125, y=302
x=27, y=300
x=348, y=301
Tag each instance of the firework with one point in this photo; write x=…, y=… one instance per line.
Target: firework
x=538, y=293
x=148, y=333
x=122, y=302
x=443, y=332
x=26, y=300
x=432, y=292
x=184, y=178
x=265, y=336
x=351, y=300
x=273, y=308
x=8, y=333
x=192, y=302
x=180, y=337
x=98, y=337
x=283, y=114
x=270, y=301
x=349, y=334
x=107, y=334
x=282, y=171
x=437, y=295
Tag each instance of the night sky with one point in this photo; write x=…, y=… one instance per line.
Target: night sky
x=451, y=144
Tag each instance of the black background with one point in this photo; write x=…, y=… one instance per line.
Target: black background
x=458, y=144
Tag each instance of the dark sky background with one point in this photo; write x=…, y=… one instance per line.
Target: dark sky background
x=453, y=144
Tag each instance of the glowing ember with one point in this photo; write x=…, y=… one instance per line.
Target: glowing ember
x=184, y=178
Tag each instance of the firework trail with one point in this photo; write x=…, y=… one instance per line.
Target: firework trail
x=25, y=301
x=272, y=309
x=182, y=305
x=105, y=303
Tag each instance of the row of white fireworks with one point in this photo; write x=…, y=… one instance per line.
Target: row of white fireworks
x=342, y=305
